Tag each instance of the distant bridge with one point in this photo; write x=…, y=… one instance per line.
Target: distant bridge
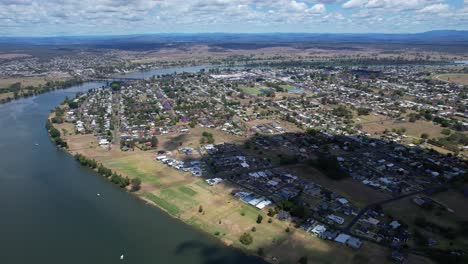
x=113, y=79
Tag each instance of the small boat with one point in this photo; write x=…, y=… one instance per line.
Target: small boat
x=121, y=257
x=37, y=144
x=98, y=194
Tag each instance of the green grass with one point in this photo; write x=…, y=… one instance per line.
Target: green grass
x=249, y=212
x=203, y=184
x=169, y=207
x=212, y=229
x=251, y=90
x=287, y=87
x=130, y=169
x=182, y=200
x=187, y=190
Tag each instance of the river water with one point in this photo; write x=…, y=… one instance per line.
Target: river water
x=50, y=212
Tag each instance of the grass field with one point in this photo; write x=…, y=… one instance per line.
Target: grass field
x=459, y=78
x=168, y=207
x=377, y=124
x=25, y=81
x=252, y=90
x=358, y=193
x=438, y=215
x=192, y=139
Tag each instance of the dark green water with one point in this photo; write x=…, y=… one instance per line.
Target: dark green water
x=50, y=212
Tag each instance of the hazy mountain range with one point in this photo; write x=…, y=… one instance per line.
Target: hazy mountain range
x=451, y=38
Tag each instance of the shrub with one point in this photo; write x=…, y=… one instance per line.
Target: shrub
x=259, y=219
x=246, y=239
x=136, y=184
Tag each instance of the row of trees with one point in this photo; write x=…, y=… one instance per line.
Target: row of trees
x=55, y=135
x=19, y=91
x=108, y=173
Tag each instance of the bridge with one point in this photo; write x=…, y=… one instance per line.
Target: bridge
x=114, y=79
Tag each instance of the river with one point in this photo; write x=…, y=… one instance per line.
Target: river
x=50, y=211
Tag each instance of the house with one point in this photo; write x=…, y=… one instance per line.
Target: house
x=213, y=181
x=272, y=183
x=342, y=201
x=103, y=142
x=318, y=230
x=314, y=191
x=336, y=219
x=245, y=164
x=329, y=235
x=255, y=201
x=354, y=242
x=395, y=224
x=263, y=204
x=371, y=221
x=342, y=238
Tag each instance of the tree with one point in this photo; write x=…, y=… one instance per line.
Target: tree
x=136, y=184
x=246, y=239
x=271, y=212
x=115, y=86
x=363, y=111
x=446, y=131
x=261, y=252
x=54, y=132
x=259, y=219
x=302, y=260
x=424, y=136
x=312, y=131
x=154, y=142
x=330, y=166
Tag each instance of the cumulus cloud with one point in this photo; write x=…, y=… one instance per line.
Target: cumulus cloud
x=140, y=16
x=355, y=3
x=390, y=5
x=437, y=8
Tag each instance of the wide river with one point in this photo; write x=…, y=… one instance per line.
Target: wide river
x=50, y=212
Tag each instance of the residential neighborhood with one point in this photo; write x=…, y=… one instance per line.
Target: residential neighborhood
x=284, y=138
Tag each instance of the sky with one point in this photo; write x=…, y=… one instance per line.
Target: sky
x=122, y=17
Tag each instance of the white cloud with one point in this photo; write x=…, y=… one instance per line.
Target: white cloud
x=437, y=8
x=318, y=8
x=354, y=3
x=389, y=5
x=137, y=16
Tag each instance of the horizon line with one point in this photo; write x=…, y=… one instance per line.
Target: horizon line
x=235, y=33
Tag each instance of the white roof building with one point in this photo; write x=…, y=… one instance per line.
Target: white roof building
x=342, y=238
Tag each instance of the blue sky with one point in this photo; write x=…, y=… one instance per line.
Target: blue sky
x=99, y=17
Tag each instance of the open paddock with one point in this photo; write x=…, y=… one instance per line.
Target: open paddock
x=377, y=124
x=355, y=191
x=25, y=81
x=458, y=78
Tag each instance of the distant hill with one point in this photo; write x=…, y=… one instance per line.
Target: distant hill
x=243, y=40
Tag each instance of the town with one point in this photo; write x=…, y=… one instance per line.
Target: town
x=356, y=156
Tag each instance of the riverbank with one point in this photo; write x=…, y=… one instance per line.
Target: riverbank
x=15, y=92
x=181, y=195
